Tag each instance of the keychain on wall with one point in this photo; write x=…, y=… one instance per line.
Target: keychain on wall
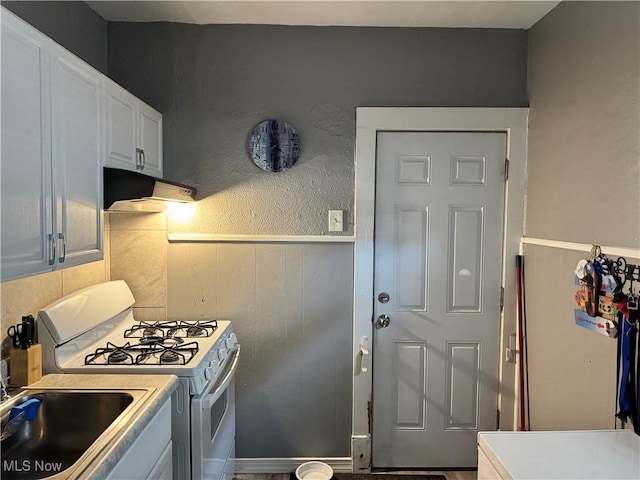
x=608, y=302
x=606, y=288
x=597, y=310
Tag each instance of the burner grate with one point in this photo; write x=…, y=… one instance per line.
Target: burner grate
x=143, y=354
x=173, y=329
x=160, y=354
x=113, y=355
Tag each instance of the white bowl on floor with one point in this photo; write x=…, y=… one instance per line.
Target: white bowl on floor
x=314, y=471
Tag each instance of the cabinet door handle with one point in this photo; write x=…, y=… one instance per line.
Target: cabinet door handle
x=52, y=249
x=62, y=257
x=143, y=159
x=138, y=159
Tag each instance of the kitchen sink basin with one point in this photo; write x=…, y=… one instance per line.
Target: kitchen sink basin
x=69, y=425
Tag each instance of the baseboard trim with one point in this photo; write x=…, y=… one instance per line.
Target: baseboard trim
x=286, y=465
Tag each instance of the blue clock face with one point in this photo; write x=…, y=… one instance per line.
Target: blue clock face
x=274, y=146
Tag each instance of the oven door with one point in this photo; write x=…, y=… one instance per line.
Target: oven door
x=213, y=425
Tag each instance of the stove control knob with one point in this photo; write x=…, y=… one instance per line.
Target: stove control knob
x=209, y=373
x=231, y=341
x=222, y=354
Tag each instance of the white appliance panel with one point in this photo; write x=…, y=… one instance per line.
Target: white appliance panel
x=74, y=327
x=587, y=454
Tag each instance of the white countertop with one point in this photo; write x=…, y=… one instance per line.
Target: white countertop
x=160, y=388
x=587, y=454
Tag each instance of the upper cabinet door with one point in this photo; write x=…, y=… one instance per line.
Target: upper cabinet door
x=150, y=140
x=77, y=158
x=133, y=132
x=121, y=127
x=26, y=150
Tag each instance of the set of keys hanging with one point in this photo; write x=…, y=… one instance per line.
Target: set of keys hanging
x=624, y=273
x=604, y=281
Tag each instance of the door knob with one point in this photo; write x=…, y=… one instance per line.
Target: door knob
x=383, y=321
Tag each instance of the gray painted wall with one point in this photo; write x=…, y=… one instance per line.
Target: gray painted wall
x=572, y=370
x=291, y=306
x=584, y=146
x=583, y=179
x=214, y=83
x=71, y=24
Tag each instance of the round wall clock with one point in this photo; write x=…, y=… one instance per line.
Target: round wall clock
x=274, y=146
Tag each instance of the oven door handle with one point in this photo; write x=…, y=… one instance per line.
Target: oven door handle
x=210, y=399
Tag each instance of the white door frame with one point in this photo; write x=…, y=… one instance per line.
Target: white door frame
x=370, y=120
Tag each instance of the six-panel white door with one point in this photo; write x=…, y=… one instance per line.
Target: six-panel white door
x=438, y=257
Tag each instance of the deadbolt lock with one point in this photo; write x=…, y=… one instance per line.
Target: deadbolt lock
x=383, y=297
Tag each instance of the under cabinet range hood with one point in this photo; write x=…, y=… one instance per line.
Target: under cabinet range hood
x=127, y=191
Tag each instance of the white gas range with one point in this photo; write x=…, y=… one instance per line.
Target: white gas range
x=94, y=331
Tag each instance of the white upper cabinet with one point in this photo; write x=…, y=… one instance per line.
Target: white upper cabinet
x=150, y=139
x=76, y=93
x=121, y=127
x=26, y=203
x=133, y=132
x=51, y=154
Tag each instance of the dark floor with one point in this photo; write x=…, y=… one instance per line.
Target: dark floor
x=450, y=475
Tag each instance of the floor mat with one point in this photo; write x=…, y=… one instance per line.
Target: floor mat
x=386, y=476
x=380, y=476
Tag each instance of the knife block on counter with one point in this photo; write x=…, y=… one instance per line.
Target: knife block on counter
x=25, y=365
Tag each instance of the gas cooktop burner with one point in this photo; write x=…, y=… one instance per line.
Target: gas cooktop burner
x=160, y=354
x=196, y=331
x=175, y=329
x=152, y=331
x=168, y=341
x=119, y=357
x=169, y=357
x=151, y=353
x=112, y=355
x=150, y=339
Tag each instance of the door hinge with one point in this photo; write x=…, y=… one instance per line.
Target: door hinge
x=506, y=169
x=501, y=299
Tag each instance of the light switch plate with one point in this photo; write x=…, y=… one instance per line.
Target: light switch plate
x=336, y=221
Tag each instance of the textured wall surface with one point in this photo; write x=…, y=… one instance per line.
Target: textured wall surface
x=572, y=370
x=214, y=83
x=583, y=179
x=584, y=130
x=71, y=24
x=291, y=307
